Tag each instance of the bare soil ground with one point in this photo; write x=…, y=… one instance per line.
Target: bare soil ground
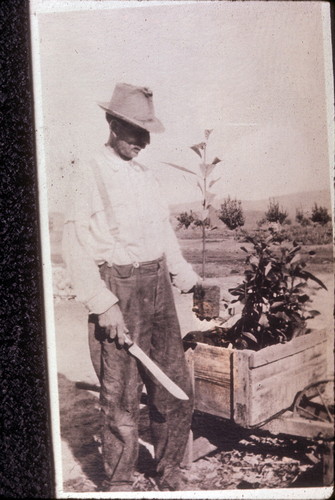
x=237, y=458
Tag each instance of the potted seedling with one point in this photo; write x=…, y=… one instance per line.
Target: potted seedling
x=206, y=295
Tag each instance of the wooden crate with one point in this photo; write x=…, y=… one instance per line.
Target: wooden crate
x=250, y=387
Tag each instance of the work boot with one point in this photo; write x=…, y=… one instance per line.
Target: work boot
x=171, y=480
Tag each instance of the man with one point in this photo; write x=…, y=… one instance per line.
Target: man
x=122, y=253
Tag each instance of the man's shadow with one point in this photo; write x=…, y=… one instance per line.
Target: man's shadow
x=81, y=425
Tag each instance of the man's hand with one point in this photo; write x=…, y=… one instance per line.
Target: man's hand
x=113, y=321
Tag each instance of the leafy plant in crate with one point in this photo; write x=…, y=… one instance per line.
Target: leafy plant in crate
x=274, y=296
x=206, y=298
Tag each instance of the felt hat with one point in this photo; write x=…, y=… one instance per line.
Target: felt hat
x=133, y=105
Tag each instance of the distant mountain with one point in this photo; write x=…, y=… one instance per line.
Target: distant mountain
x=290, y=202
x=254, y=209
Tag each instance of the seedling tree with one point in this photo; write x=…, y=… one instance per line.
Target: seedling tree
x=204, y=184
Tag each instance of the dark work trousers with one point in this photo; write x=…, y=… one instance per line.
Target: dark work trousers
x=146, y=301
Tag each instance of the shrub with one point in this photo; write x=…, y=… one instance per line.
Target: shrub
x=231, y=213
x=275, y=213
x=320, y=215
x=191, y=219
x=185, y=219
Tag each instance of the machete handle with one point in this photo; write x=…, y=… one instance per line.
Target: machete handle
x=127, y=340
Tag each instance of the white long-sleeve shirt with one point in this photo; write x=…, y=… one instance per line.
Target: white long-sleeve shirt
x=117, y=215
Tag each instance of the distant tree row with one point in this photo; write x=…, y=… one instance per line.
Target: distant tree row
x=277, y=214
x=231, y=214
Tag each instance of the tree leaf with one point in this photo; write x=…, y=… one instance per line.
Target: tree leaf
x=281, y=315
x=296, y=316
x=214, y=182
x=216, y=160
x=253, y=260
x=303, y=298
x=267, y=268
x=298, y=286
x=277, y=305
x=250, y=336
x=196, y=150
x=296, y=258
x=244, y=249
x=295, y=249
x=263, y=320
x=250, y=239
x=235, y=291
x=179, y=168
x=314, y=313
x=306, y=275
x=208, y=133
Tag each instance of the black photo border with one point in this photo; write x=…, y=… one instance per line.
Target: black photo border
x=26, y=448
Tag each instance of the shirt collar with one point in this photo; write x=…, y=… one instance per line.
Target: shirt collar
x=116, y=162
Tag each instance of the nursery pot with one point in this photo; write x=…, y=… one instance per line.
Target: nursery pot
x=206, y=301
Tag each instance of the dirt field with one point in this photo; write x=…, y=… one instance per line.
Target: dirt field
x=239, y=459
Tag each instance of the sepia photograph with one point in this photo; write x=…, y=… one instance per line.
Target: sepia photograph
x=185, y=157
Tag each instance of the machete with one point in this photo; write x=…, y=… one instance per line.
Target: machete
x=166, y=382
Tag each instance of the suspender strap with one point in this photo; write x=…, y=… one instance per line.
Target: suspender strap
x=106, y=203
x=101, y=187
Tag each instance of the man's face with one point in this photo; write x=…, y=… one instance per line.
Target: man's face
x=129, y=140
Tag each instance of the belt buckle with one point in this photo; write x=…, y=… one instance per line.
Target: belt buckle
x=136, y=265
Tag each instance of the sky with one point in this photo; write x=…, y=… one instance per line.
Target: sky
x=252, y=71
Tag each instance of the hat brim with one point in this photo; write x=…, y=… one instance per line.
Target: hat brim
x=153, y=125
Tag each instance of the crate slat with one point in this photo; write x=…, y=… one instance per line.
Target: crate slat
x=276, y=352
x=274, y=387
